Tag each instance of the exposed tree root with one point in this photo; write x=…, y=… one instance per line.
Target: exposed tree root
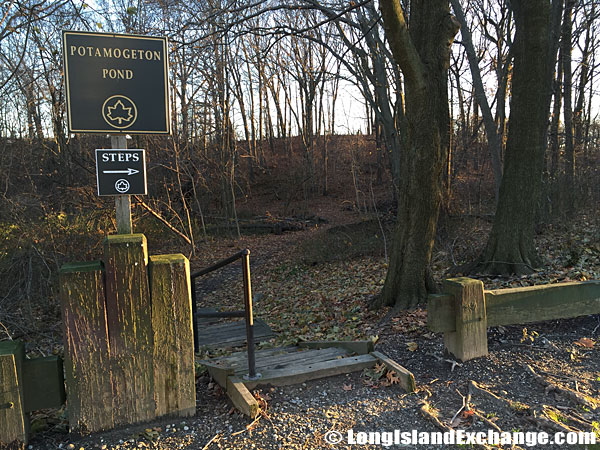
x=542, y=422
x=548, y=417
x=431, y=414
x=577, y=397
x=487, y=421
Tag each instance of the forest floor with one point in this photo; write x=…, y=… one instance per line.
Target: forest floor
x=316, y=284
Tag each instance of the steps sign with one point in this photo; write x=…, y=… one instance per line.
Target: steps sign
x=116, y=83
x=121, y=172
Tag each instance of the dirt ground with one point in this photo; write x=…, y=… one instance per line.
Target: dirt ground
x=537, y=377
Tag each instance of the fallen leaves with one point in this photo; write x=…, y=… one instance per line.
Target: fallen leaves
x=150, y=434
x=412, y=346
x=324, y=303
x=464, y=419
x=585, y=342
x=392, y=378
x=380, y=376
x=410, y=322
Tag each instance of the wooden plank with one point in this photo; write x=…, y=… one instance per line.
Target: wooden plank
x=225, y=330
x=358, y=347
x=441, y=313
x=14, y=423
x=204, y=321
x=129, y=315
x=295, y=359
x=220, y=374
x=43, y=383
x=233, y=334
x=85, y=333
x=236, y=357
x=539, y=303
x=269, y=361
x=470, y=338
x=174, y=377
x=240, y=361
x=299, y=374
x=241, y=397
x=407, y=379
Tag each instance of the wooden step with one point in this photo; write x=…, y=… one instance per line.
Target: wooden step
x=295, y=374
x=232, y=334
x=272, y=360
x=293, y=365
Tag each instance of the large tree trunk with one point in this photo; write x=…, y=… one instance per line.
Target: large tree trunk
x=510, y=247
x=423, y=54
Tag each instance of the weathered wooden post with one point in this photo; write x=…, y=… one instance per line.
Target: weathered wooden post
x=129, y=319
x=174, y=380
x=26, y=385
x=129, y=349
x=89, y=383
x=122, y=202
x=14, y=423
x=469, y=339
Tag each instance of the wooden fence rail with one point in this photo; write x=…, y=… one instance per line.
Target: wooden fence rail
x=465, y=310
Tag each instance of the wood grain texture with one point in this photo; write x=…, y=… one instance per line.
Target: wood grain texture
x=85, y=332
x=470, y=338
x=241, y=397
x=174, y=377
x=129, y=317
x=407, y=379
x=358, y=347
x=522, y=305
x=305, y=372
x=14, y=423
x=538, y=303
x=299, y=357
x=232, y=334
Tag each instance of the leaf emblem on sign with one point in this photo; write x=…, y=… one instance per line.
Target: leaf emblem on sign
x=119, y=112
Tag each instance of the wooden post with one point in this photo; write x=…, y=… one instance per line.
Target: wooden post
x=469, y=340
x=122, y=202
x=174, y=377
x=129, y=317
x=14, y=423
x=88, y=380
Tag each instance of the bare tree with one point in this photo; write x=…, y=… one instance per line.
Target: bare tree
x=421, y=48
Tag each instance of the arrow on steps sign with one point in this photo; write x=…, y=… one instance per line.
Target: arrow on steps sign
x=128, y=171
x=121, y=171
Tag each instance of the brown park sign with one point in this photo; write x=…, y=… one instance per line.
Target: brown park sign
x=116, y=83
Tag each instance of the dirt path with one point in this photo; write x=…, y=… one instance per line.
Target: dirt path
x=544, y=377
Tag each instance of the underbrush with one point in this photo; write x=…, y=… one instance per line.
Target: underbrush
x=32, y=250
x=347, y=242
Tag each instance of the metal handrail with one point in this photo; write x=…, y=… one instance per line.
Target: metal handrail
x=244, y=255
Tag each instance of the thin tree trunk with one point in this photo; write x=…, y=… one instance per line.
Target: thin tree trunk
x=567, y=106
x=494, y=141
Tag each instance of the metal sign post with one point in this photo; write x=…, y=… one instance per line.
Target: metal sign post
x=122, y=202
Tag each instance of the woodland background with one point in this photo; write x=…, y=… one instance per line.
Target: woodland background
x=278, y=109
